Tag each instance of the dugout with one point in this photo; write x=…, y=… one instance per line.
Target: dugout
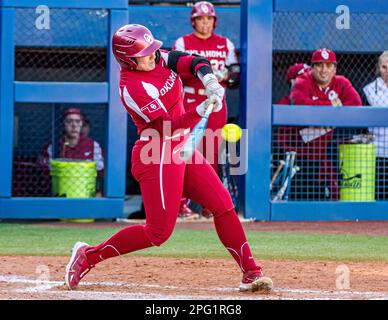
x=279, y=34
x=56, y=56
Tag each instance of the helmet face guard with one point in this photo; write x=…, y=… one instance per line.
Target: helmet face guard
x=133, y=41
x=202, y=9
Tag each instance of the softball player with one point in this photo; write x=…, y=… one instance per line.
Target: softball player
x=151, y=92
x=221, y=53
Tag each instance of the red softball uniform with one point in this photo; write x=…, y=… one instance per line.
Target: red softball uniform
x=307, y=92
x=154, y=101
x=221, y=52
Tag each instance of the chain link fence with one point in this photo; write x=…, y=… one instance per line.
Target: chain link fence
x=59, y=149
x=73, y=135
x=64, y=45
x=331, y=164
x=347, y=164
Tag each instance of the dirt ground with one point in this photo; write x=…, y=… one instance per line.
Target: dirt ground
x=154, y=278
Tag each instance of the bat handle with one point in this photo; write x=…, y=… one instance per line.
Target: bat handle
x=196, y=133
x=209, y=110
x=280, y=167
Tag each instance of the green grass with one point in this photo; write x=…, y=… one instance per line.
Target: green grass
x=19, y=239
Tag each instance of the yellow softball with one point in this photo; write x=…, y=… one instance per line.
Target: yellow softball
x=231, y=132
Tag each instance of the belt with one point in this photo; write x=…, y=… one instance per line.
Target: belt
x=192, y=90
x=148, y=138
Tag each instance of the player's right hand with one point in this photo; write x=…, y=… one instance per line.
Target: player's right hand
x=217, y=102
x=201, y=108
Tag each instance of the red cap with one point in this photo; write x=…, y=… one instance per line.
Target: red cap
x=69, y=111
x=323, y=55
x=296, y=70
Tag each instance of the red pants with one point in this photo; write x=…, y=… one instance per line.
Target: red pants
x=162, y=185
x=216, y=121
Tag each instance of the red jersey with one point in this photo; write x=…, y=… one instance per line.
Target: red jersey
x=307, y=92
x=86, y=149
x=156, y=96
x=220, y=51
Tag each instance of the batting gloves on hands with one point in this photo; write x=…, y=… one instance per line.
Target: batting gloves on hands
x=217, y=102
x=213, y=90
x=212, y=86
x=201, y=108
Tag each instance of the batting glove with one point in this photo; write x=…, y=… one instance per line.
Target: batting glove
x=201, y=108
x=212, y=86
x=217, y=102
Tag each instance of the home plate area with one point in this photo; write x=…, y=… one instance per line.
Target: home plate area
x=155, y=278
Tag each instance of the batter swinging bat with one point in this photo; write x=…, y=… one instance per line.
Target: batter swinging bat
x=196, y=135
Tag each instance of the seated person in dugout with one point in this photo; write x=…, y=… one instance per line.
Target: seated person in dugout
x=319, y=86
x=74, y=145
x=376, y=93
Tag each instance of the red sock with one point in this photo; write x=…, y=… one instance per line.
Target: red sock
x=126, y=240
x=232, y=236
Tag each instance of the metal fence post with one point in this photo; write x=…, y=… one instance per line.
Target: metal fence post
x=256, y=101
